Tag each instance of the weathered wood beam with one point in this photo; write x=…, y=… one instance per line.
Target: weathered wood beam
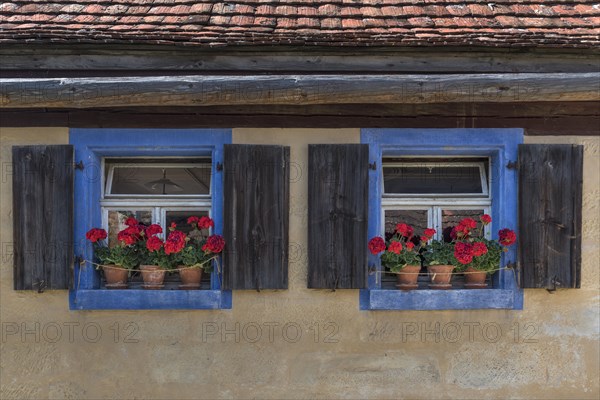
x=371, y=60
x=577, y=118
x=296, y=89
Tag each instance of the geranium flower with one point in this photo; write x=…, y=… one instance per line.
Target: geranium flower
x=152, y=230
x=405, y=230
x=395, y=247
x=463, y=252
x=486, y=219
x=429, y=232
x=410, y=245
x=175, y=242
x=154, y=244
x=95, y=234
x=507, y=237
x=205, y=223
x=214, y=244
x=131, y=221
x=193, y=221
x=376, y=245
x=479, y=249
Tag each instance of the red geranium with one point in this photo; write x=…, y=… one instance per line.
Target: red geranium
x=405, y=230
x=468, y=223
x=429, y=232
x=410, y=245
x=463, y=252
x=193, y=221
x=376, y=245
x=479, y=249
x=205, y=223
x=507, y=237
x=175, y=242
x=154, y=244
x=214, y=244
x=95, y=234
x=131, y=222
x=126, y=238
x=152, y=230
x=395, y=247
x=486, y=219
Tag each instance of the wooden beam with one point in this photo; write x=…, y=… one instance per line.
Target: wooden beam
x=539, y=118
x=371, y=60
x=296, y=89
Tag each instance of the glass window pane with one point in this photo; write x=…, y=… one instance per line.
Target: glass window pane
x=160, y=181
x=116, y=222
x=416, y=218
x=432, y=179
x=451, y=218
x=181, y=217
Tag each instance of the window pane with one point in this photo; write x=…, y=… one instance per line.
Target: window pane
x=181, y=217
x=161, y=181
x=432, y=179
x=116, y=222
x=451, y=218
x=416, y=218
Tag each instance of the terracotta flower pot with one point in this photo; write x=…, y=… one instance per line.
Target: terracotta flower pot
x=407, y=277
x=475, y=279
x=116, y=276
x=440, y=276
x=153, y=276
x=190, y=277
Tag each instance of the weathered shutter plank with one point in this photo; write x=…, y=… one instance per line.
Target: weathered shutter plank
x=550, y=202
x=42, y=216
x=256, y=215
x=337, y=215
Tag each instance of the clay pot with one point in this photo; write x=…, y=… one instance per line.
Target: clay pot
x=407, y=277
x=440, y=276
x=153, y=276
x=190, y=277
x=116, y=276
x=475, y=279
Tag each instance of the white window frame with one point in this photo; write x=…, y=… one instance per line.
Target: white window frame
x=434, y=203
x=483, y=178
x=158, y=205
x=107, y=186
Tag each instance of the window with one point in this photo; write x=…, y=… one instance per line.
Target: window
x=433, y=178
x=158, y=176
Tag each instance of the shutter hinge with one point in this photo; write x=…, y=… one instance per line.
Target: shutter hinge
x=373, y=165
x=79, y=166
x=219, y=166
x=555, y=282
x=512, y=165
x=41, y=286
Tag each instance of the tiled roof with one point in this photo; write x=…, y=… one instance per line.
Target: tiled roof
x=496, y=23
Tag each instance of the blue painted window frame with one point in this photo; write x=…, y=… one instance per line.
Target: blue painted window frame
x=501, y=145
x=90, y=146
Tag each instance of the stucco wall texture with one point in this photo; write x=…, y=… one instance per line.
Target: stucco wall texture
x=301, y=343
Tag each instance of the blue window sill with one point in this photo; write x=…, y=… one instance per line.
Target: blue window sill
x=456, y=299
x=139, y=299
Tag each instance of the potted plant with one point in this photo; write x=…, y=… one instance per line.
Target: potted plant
x=116, y=262
x=160, y=256
x=439, y=258
x=401, y=255
x=198, y=253
x=476, y=255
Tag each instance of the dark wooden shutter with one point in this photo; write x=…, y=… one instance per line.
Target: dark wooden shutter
x=337, y=215
x=256, y=216
x=550, y=187
x=42, y=216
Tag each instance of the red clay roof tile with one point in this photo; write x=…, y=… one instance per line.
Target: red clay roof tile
x=498, y=23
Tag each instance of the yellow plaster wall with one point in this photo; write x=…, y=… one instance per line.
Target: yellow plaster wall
x=549, y=350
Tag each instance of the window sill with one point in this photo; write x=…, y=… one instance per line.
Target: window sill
x=140, y=299
x=457, y=299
